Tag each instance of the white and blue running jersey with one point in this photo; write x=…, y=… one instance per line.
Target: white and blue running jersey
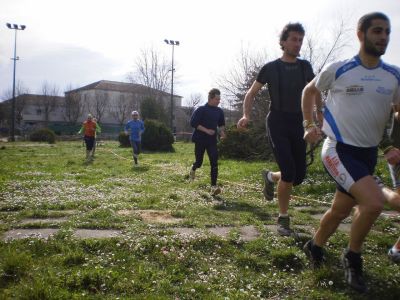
x=359, y=100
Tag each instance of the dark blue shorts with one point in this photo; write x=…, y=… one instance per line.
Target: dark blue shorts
x=89, y=142
x=347, y=164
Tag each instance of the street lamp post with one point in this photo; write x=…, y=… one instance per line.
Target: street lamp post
x=15, y=27
x=173, y=43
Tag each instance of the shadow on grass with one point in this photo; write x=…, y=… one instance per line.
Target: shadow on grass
x=140, y=168
x=244, y=207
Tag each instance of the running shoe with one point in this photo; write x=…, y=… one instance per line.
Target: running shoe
x=353, y=272
x=314, y=254
x=284, y=226
x=268, y=190
x=215, y=190
x=192, y=174
x=394, y=255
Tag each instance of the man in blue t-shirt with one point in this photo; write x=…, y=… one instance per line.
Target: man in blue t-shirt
x=206, y=121
x=136, y=128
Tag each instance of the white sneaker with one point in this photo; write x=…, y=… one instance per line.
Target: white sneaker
x=394, y=255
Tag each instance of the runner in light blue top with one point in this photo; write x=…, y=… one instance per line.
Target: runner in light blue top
x=135, y=128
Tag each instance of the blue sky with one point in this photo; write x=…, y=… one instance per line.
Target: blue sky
x=79, y=42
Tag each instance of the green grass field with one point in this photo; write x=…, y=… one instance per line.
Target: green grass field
x=150, y=260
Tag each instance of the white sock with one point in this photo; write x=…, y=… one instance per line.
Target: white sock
x=284, y=215
x=269, y=177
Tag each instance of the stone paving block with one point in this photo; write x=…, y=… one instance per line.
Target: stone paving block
x=249, y=233
x=390, y=214
x=45, y=220
x=184, y=231
x=96, y=233
x=152, y=216
x=40, y=233
x=222, y=231
x=305, y=208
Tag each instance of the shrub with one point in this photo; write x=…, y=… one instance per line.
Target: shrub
x=157, y=137
x=43, y=135
x=251, y=144
x=123, y=139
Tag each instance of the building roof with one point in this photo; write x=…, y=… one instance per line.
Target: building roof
x=126, y=87
x=33, y=97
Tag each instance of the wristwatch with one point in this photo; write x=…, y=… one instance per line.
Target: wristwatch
x=307, y=123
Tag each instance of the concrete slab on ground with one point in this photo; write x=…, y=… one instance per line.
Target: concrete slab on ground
x=40, y=233
x=222, y=231
x=96, y=233
x=390, y=214
x=306, y=207
x=45, y=221
x=152, y=216
x=247, y=233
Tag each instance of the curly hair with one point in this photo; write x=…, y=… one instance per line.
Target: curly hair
x=297, y=27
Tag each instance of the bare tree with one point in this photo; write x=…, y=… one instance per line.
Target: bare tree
x=151, y=70
x=73, y=107
x=120, y=111
x=193, y=103
x=320, y=51
x=20, y=103
x=47, y=101
x=237, y=82
x=99, y=104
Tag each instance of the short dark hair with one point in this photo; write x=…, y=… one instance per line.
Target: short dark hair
x=213, y=92
x=297, y=27
x=366, y=20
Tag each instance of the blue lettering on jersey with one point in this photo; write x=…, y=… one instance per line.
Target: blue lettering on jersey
x=383, y=91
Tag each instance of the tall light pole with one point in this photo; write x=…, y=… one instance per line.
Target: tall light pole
x=173, y=43
x=16, y=27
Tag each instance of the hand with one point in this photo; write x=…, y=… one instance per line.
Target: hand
x=393, y=156
x=210, y=131
x=242, y=123
x=222, y=135
x=312, y=134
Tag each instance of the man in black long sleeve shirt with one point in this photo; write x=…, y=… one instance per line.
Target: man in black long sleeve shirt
x=206, y=120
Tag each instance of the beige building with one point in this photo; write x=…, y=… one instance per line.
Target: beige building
x=109, y=101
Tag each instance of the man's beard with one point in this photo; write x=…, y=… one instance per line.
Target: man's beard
x=371, y=49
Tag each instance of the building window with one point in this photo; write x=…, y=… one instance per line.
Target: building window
x=38, y=111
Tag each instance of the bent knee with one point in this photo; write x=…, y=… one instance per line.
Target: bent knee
x=372, y=208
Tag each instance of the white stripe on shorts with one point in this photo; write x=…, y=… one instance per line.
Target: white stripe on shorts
x=332, y=163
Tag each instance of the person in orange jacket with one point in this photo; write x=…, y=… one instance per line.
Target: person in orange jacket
x=89, y=129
